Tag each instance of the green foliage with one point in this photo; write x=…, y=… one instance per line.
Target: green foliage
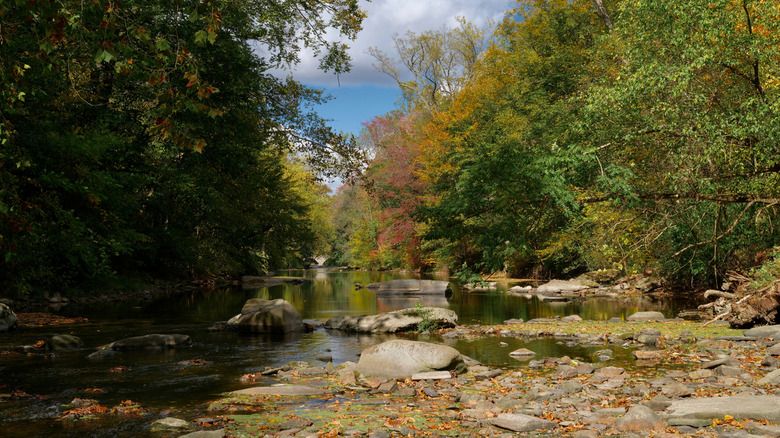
x=148, y=137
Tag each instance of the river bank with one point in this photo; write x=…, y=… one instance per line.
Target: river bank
x=683, y=379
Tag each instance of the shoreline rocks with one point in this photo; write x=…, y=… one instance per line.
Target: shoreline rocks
x=267, y=316
x=393, y=322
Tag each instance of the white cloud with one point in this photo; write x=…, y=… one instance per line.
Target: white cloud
x=389, y=17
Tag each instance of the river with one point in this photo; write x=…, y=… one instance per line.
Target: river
x=166, y=384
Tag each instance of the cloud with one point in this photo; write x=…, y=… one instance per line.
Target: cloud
x=387, y=18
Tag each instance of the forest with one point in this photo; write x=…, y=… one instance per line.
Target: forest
x=574, y=136
x=145, y=139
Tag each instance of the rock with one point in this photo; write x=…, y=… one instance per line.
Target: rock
x=559, y=286
x=571, y=318
x=268, y=316
x=397, y=321
x=774, y=350
x=767, y=331
x=479, y=287
x=676, y=389
x=520, y=289
x=8, y=319
x=169, y=423
x=566, y=372
x=432, y=375
x=522, y=353
x=290, y=391
x=401, y=359
x=648, y=354
x=646, y=316
x=147, y=342
x=754, y=407
x=64, y=342
x=640, y=418
x=717, y=363
x=772, y=378
x=522, y=423
x=411, y=287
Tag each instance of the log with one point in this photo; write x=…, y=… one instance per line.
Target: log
x=719, y=294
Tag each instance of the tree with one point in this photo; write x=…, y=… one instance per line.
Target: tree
x=128, y=131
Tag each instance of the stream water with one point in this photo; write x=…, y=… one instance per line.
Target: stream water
x=164, y=383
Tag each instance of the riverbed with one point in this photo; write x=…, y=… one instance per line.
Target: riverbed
x=181, y=382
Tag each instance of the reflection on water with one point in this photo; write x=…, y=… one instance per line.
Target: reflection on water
x=159, y=381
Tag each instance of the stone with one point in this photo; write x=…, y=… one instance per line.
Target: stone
x=658, y=403
x=566, y=372
x=640, y=418
x=522, y=352
x=774, y=350
x=394, y=322
x=64, y=342
x=288, y=390
x=691, y=422
x=432, y=375
x=169, y=423
x=8, y=319
x=146, y=342
x=676, y=389
x=388, y=387
x=646, y=316
x=648, y=354
x=767, y=331
x=411, y=287
x=728, y=371
x=753, y=407
x=701, y=374
x=401, y=358
x=571, y=318
x=772, y=378
x=559, y=286
x=718, y=362
x=522, y=423
x=268, y=316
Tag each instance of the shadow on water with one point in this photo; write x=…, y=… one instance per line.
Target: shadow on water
x=164, y=382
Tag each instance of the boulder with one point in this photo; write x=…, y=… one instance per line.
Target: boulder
x=560, y=286
x=766, y=331
x=267, y=316
x=64, y=342
x=287, y=390
x=401, y=359
x=8, y=319
x=754, y=407
x=411, y=287
x=646, y=316
x=393, y=322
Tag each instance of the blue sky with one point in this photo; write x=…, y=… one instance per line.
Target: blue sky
x=365, y=93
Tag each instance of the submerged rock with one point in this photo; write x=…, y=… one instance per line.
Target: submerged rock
x=397, y=321
x=401, y=359
x=267, y=316
x=64, y=342
x=147, y=342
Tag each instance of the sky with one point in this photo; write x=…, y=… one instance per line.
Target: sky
x=364, y=93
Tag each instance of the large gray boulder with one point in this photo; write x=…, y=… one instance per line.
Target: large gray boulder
x=411, y=287
x=754, y=407
x=398, y=359
x=267, y=316
x=8, y=319
x=398, y=321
